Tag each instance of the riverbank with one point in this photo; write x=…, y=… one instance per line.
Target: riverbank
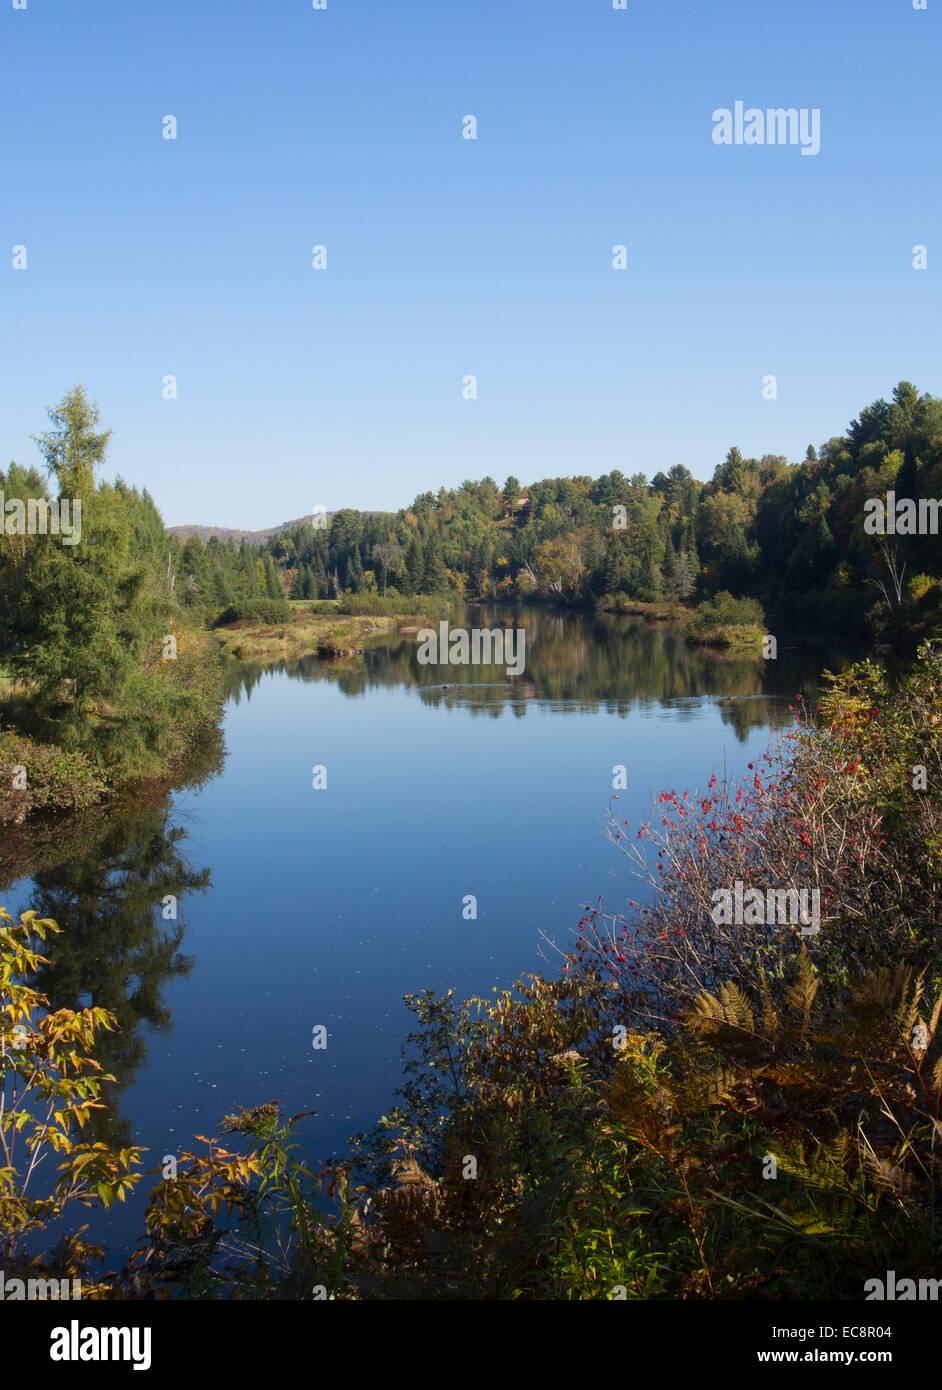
x=311, y=632
x=742, y=638
x=665, y=611
x=161, y=725
x=728, y=624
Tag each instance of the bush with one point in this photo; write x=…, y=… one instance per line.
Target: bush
x=640, y=1165
x=364, y=605
x=724, y=621
x=55, y=779
x=50, y=1087
x=846, y=812
x=258, y=610
x=725, y=611
x=924, y=597
x=393, y=605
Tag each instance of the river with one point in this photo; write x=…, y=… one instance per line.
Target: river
x=454, y=833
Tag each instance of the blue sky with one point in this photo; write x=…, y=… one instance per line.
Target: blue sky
x=446, y=257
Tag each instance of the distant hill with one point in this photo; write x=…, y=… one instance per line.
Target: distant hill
x=251, y=537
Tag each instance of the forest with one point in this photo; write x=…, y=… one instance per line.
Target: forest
x=109, y=674
x=790, y=535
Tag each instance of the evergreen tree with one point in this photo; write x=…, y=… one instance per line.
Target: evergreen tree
x=248, y=574
x=436, y=580
x=84, y=625
x=613, y=572
x=196, y=571
x=511, y=493
x=650, y=580
x=733, y=472
x=907, y=479
x=318, y=573
x=72, y=449
x=273, y=585
x=354, y=581
x=687, y=574
x=415, y=565
x=671, y=568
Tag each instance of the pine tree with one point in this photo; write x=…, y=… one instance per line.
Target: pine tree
x=436, y=579
x=650, y=579
x=248, y=573
x=86, y=626
x=196, y=571
x=318, y=572
x=612, y=580
x=354, y=578
x=733, y=472
x=415, y=565
x=687, y=574
x=72, y=449
x=906, y=483
x=671, y=568
x=273, y=585
x=510, y=493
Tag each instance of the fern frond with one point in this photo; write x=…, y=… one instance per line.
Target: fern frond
x=825, y=1167
x=702, y=1091
x=800, y=994
x=880, y=991
x=710, y=1013
x=908, y=1011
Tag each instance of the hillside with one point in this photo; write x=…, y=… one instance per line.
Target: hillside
x=223, y=533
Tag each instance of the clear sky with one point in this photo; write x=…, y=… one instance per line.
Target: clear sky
x=298, y=387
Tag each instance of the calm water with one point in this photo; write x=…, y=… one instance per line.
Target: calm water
x=300, y=907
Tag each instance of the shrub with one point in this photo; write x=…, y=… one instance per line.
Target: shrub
x=393, y=605
x=258, y=610
x=50, y=1084
x=55, y=779
x=723, y=611
x=845, y=811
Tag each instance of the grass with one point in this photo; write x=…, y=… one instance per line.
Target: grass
x=381, y=606
x=311, y=631
x=661, y=611
x=738, y=635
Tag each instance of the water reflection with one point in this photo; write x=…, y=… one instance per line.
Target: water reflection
x=117, y=882
x=105, y=877
x=578, y=664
